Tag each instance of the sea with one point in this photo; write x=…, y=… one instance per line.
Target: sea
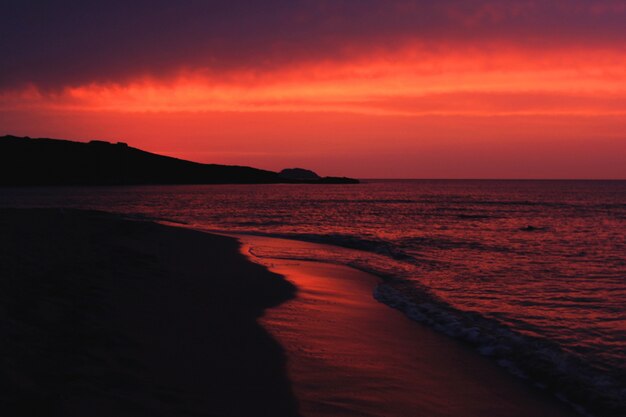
x=529, y=273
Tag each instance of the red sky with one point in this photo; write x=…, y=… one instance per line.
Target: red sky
x=372, y=89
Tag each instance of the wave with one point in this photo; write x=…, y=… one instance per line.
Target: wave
x=589, y=390
x=403, y=249
x=374, y=245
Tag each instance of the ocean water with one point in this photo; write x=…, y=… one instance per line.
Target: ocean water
x=531, y=273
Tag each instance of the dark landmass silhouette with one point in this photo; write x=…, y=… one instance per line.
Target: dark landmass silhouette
x=298, y=174
x=42, y=161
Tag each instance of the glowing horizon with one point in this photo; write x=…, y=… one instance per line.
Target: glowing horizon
x=377, y=105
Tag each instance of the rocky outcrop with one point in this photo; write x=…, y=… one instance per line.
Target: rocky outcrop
x=298, y=174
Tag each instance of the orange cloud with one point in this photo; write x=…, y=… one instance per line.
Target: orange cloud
x=493, y=112
x=411, y=82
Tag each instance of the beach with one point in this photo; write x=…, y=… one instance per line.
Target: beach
x=106, y=316
x=400, y=208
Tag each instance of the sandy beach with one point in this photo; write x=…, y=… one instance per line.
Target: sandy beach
x=104, y=316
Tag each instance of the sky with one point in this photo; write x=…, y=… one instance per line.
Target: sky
x=362, y=88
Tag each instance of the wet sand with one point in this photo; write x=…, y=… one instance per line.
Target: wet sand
x=349, y=355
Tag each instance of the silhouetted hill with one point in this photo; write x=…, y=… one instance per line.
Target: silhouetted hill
x=298, y=174
x=26, y=161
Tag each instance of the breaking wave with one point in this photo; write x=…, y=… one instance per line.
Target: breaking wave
x=589, y=390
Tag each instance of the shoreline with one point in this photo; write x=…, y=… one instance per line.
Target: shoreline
x=109, y=316
x=377, y=349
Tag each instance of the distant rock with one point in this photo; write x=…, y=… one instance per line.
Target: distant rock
x=298, y=174
x=528, y=228
x=531, y=228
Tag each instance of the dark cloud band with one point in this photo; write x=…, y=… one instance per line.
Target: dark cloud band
x=61, y=43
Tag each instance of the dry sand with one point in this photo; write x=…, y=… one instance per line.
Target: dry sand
x=106, y=317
